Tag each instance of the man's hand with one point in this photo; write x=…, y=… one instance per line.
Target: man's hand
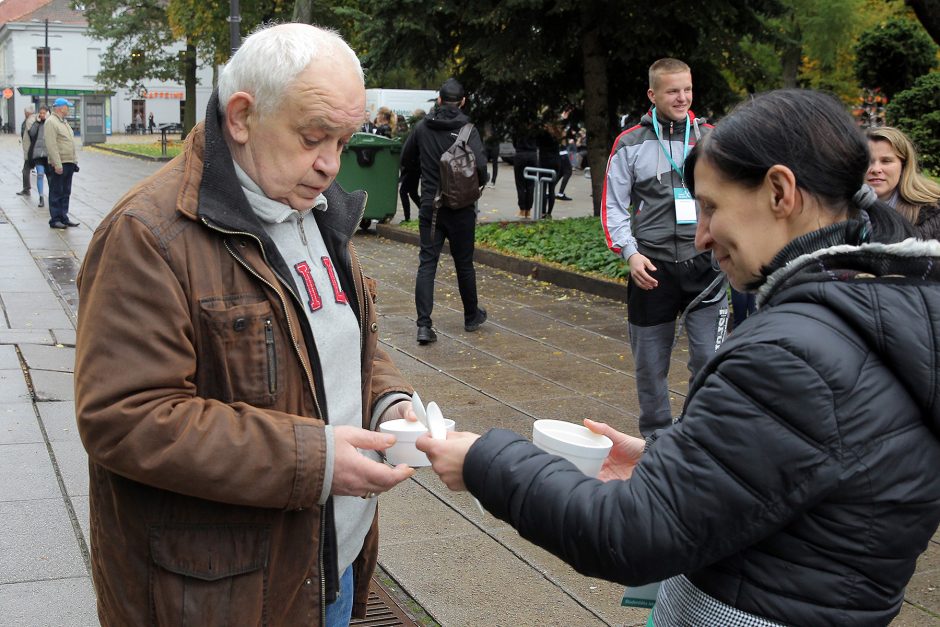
x=447, y=456
x=357, y=475
x=623, y=457
x=402, y=410
x=640, y=266
x=58, y=169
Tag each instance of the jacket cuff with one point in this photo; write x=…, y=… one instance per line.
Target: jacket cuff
x=327, y=466
x=628, y=250
x=382, y=405
x=310, y=450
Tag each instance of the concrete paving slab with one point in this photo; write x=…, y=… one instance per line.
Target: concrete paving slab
x=13, y=387
x=52, y=386
x=35, y=310
x=81, y=506
x=50, y=603
x=72, y=460
x=26, y=336
x=65, y=337
x=55, y=358
x=58, y=417
x=18, y=424
x=9, y=360
x=27, y=472
x=575, y=409
x=34, y=551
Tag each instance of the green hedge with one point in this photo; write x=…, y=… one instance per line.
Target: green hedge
x=575, y=243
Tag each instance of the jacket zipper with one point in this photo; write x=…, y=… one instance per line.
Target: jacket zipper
x=272, y=356
x=672, y=177
x=290, y=327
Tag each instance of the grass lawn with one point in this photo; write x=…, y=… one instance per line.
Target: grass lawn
x=173, y=148
x=574, y=243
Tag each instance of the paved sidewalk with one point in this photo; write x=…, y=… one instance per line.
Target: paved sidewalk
x=545, y=353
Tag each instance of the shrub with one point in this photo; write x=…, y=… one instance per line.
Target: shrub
x=916, y=111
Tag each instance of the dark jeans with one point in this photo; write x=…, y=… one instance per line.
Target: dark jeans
x=565, y=165
x=60, y=188
x=26, y=170
x=524, y=187
x=458, y=228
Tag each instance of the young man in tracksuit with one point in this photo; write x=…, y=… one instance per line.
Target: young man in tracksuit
x=649, y=220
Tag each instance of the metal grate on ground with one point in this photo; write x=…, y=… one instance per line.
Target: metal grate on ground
x=382, y=610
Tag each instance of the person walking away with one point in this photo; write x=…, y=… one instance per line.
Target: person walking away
x=547, y=141
x=491, y=146
x=29, y=120
x=37, y=151
x=151, y=123
x=422, y=152
x=63, y=163
x=228, y=378
x=649, y=219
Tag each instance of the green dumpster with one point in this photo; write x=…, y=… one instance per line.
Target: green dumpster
x=370, y=162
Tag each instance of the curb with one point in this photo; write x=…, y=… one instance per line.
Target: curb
x=526, y=267
x=127, y=153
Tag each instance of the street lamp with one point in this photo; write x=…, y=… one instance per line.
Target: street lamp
x=234, y=19
x=47, y=59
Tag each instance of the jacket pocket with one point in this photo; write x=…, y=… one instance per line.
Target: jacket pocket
x=209, y=575
x=242, y=353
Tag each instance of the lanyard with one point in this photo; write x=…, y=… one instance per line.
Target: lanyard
x=685, y=149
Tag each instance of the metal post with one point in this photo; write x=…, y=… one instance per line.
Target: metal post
x=45, y=66
x=539, y=176
x=234, y=19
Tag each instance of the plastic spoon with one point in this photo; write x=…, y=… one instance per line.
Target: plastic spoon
x=419, y=410
x=439, y=432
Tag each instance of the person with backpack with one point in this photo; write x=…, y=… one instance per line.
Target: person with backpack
x=445, y=142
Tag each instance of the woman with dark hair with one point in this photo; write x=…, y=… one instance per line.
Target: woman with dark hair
x=799, y=485
x=897, y=180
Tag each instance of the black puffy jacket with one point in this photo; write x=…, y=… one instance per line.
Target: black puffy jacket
x=430, y=139
x=800, y=484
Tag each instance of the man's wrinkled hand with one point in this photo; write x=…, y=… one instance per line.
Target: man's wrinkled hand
x=356, y=475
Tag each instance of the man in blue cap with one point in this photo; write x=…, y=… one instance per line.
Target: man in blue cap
x=63, y=163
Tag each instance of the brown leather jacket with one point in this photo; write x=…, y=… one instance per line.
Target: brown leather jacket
x=199, y=400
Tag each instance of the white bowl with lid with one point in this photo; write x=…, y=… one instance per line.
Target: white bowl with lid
x=576, y=443
x=404, y=450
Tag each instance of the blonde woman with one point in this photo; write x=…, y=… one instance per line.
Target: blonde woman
x=894, y=174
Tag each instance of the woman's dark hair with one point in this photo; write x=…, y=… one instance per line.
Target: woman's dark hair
x=809, y=132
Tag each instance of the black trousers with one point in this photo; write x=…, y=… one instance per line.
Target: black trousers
x=458, y=227
x=525, y=188
x=60, y=190
x=26, y=171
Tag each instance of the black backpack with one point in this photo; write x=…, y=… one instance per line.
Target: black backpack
x=459, y=185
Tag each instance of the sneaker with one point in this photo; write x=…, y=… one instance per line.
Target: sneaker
x=57, y=225
x=70, y=223
x=426, y=335
x=562, y=196
x=23, y=192
x=42, y=203
x=475, y=324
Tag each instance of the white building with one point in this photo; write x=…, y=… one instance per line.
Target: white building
x=73, y=62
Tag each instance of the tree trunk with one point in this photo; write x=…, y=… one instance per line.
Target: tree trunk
x=596, y=120
x=303, y=11
x=189, y=77
x=792, y=55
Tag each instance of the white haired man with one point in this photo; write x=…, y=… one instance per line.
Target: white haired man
x=29, y=118
x=228, y=378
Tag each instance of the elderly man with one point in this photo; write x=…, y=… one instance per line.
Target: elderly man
x=63, y=163
x=228, y=378
x=29, y=118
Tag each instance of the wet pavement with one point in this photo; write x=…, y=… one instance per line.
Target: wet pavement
x=546, y=352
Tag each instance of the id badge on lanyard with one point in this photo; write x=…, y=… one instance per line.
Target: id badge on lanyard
x=685, y=205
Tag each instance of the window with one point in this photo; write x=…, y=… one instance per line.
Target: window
x=43, y=65
x=93, y=61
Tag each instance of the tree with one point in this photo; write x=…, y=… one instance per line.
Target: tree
x=916, y=111
x=521, y=58
x=928, y=12
x=891, y=56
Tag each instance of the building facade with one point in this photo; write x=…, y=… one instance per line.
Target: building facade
x=28, y=72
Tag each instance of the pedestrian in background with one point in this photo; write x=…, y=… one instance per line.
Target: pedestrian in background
x=30, y=119
x=37, y=150
x=151, y=123
x=799, y=485
x=527, y=156
x=63, y=163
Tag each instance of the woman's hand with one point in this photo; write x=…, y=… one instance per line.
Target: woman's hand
x=447, y=456
x=624, y=455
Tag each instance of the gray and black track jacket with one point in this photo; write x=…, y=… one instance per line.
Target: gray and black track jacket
x=640, y=175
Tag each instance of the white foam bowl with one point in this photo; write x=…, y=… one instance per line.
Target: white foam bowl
x=406, y=432
x=576, y=443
